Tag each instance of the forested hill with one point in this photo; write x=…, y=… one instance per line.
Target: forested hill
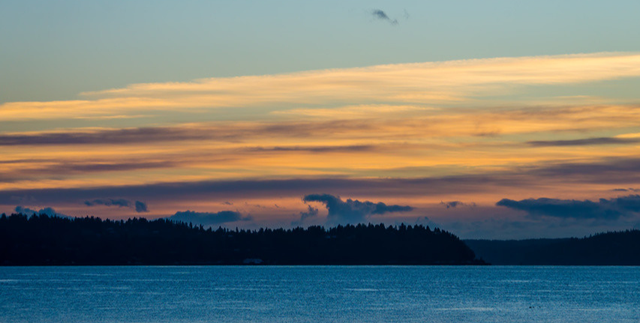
x=43, y=240
x=612, y=248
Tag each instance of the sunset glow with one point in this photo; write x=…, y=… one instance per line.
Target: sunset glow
x=473, y=131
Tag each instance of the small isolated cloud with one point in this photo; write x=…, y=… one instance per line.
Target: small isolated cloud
x=352, y=211
x=455, y=204
x=585, y=142
x=208, y=218
x=47, y=210
x=255, y=205
x=227, y=203
x=381, y=15
x=109, y=202
x=141, y=207
x=138, y=205
x=603, y=209
x=311, y=212
x=626, y=190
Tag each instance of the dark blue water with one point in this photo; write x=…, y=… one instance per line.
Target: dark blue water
x=320, y=294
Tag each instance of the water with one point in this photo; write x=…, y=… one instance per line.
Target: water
x=319, y=294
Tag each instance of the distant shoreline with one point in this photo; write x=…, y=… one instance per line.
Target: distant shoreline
x=621, y=248
x=41, y=240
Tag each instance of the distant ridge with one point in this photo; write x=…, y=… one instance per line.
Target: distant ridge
x=44, y=240
x=604, y=249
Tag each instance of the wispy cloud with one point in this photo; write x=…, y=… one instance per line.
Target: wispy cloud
x=455, y=204
x=472, y=130
x=356, y=112
x=23, y=171
x=109, y=202
x=315, y=149
x=585, y=142
x=137, y=205
x=626, y=190
x=614, y=173
x=378, y=122
x=381, y=15
x=402, y=84
x=104, y=136
x=606, y=209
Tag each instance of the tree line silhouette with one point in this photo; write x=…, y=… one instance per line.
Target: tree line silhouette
x=620, y=248
x=45, y=240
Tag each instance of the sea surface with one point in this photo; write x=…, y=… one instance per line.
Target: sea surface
x=320, y=294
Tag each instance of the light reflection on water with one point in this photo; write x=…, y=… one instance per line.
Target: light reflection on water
x=319, y=294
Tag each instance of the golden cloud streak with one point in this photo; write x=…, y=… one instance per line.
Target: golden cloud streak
x=380, y=121
x=404, y=84
x=354, y=125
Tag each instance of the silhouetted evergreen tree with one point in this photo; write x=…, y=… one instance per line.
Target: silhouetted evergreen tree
x=44, y=240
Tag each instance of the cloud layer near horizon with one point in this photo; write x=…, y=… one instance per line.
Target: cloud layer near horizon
x=351, y=211
x=407, y=134
x=49, y=211
x=137, y=205
x=605, y=209
x=208, y=219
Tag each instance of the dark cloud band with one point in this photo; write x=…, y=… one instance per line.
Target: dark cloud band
x=605, y=209
x=616, y=172
x=138, y=205
x=585, y=142
x=218, y=132
x=352, y=211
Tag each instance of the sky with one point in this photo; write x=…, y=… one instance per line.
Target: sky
x=492, y=119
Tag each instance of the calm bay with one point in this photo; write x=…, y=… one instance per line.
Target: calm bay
x=320, y=294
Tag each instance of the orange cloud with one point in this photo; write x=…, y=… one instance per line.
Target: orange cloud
x=416, y=84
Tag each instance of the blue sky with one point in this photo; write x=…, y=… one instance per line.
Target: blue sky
x=57, y=49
